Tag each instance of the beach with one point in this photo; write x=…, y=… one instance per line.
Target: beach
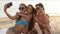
x=54, y=22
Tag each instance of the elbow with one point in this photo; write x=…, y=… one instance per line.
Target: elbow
x=12, y=18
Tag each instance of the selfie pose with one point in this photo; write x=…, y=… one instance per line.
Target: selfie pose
x=22, y=19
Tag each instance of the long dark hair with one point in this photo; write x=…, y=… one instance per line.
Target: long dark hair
x=31, y=23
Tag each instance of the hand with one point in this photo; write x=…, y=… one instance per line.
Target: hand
x=6, y=6
x=36, y=18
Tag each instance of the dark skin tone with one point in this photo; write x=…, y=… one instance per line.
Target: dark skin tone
x=17, y=29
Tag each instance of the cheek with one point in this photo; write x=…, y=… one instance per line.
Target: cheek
x=30, y=11
x=37, y=10
x=24, y=10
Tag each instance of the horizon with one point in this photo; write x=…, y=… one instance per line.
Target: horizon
x=52, y=8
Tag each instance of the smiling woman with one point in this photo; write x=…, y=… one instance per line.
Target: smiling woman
x=52, y=8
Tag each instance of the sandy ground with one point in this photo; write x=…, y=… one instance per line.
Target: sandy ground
x=54, y=22
x=3, y=31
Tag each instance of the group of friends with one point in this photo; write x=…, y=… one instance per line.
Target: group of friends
x=26, y=19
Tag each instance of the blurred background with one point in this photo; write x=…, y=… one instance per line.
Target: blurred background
x=52, y=8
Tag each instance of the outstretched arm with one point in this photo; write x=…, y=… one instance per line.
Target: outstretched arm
x=5, y=10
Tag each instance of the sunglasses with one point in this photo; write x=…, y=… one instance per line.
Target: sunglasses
x=37, y=8
x=21, y=8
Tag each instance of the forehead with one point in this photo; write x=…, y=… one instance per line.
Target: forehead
x=29, y=7
x=38, y=7
x=21, y=6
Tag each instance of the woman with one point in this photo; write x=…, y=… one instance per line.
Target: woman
x=30, y=10
x=21, y=18
x=42, y=19
x=31, y=23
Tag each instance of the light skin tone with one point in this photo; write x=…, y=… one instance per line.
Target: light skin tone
x=42, y=19
x=41, y=13
x=24, y=17
x=29, y=11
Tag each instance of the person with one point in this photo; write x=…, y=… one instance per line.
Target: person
x=21, y=18
x=47, y=17
x=42, y=19
x=30, y=10
x=31, y=23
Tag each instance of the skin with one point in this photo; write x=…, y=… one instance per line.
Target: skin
x=36, y=20
x=33, y=31
x=16, y=28
x=29, y=12
x=42, y=20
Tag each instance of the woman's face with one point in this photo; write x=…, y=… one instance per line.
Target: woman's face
x=29, y=9
x=38, y=8
x=22, y=8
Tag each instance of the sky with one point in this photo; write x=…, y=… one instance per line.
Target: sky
x=52, y=7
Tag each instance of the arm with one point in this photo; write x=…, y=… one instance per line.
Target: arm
x=40, y=23
x=24, y=15
x=26, y=30
x=5, y=10
x=43, y=17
